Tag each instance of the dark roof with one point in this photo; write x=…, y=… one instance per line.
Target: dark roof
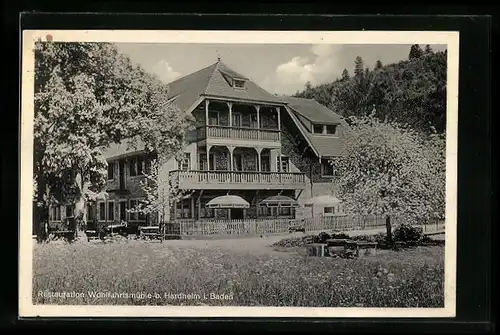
x=210, y=81
x=189, y=88
x=125, y=147
x=324, y=146
x=312, y=110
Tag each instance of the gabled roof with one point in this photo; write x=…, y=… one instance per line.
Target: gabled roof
x=323, y=146
x=210, y=81
x=312, y=110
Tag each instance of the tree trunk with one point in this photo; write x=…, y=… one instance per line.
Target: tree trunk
x=388, y=228
x=41, y=211
x=80, y=208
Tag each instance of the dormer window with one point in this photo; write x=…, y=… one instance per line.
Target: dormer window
x=331, y=129
x=318, y=129
x=325, y=129
x=238, y=83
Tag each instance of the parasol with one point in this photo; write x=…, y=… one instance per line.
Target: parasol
x=228, y=201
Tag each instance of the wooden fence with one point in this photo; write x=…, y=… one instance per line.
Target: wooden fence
x=252, y=227
x=235, y=227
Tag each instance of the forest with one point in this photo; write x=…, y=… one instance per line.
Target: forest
x=411, y=92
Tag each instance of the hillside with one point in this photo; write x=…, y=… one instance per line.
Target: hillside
x=412, y=91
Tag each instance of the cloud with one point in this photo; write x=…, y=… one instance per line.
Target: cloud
x=320, y=68
x=165, y=72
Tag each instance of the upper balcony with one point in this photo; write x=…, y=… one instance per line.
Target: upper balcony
x=237, y=124
x=216, y=133
x=242, y=180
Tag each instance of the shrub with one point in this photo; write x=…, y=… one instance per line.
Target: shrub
x=380, y=238
x=408, y=233
x=322, y=237
x=340, y=236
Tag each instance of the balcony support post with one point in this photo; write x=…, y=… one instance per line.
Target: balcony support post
x=230, y=108
x=231, y=162
x=207, y=102
x=208, y=156
x=257, y=108
x=278, y=110
x=259, y=163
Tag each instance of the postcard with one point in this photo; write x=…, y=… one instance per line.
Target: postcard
x=238, y=173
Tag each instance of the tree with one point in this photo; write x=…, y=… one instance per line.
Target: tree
x=378, y=65
x=390, y=170
x=87, y=96
x=415, y=52
x=161, y=191
x=428, y=49
x=345, y=75
x=358, y=68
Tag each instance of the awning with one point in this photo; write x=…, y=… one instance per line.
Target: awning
x=279, y=201
x=228, y=201
x=322, y=200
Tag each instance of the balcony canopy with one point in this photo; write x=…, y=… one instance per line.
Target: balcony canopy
x=279, y=201
x=228, y=201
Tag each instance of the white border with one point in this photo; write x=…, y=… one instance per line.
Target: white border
x=26, y=307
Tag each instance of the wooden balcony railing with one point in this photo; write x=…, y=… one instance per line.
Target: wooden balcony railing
x=238, y=133
x=195, y=177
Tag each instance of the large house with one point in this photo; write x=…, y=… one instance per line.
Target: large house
x=247, y=142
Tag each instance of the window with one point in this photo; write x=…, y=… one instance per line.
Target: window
x=140, y=165
x=90, y=213
x=102, y=211
x=111, y=170
x=213, y=118
x=285, y=211
x=111, y=211
x=56, y=213
x=236, y=120
x=123, y=211
x=327, y=169
x=329, y=210
x=69, y=211
x=185, y=163
x=331, y=129
x=285, y=164
x=318, y=129
x=183, y=209
x=205, y=212
x=204, y=163
x=136, y=166
x=132, y=167
x=239, y=83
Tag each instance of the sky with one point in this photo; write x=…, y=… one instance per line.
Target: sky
x=278, y=68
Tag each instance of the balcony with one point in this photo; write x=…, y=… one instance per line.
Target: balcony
x=227, y=135
x=242, y=180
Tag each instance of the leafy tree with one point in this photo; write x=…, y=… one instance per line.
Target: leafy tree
x=345, y=75
x=415, y=52
x=428, y=49
x=87, y=96
x=161, y=191
x=390, y=170
x=378, y=65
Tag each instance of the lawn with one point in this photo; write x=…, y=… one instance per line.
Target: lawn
x=200, y=273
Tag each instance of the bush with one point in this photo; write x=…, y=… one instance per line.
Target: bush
x=408, y=233
x=379, y=238
x=322, y=237
x=340, y=236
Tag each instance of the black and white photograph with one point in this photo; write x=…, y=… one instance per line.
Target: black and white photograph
x=238, y=173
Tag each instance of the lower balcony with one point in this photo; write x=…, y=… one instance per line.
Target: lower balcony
x=243, y=180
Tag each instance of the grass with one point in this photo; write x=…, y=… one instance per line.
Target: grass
x=412, y=278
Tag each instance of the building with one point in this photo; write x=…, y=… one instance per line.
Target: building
x=247, y=142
